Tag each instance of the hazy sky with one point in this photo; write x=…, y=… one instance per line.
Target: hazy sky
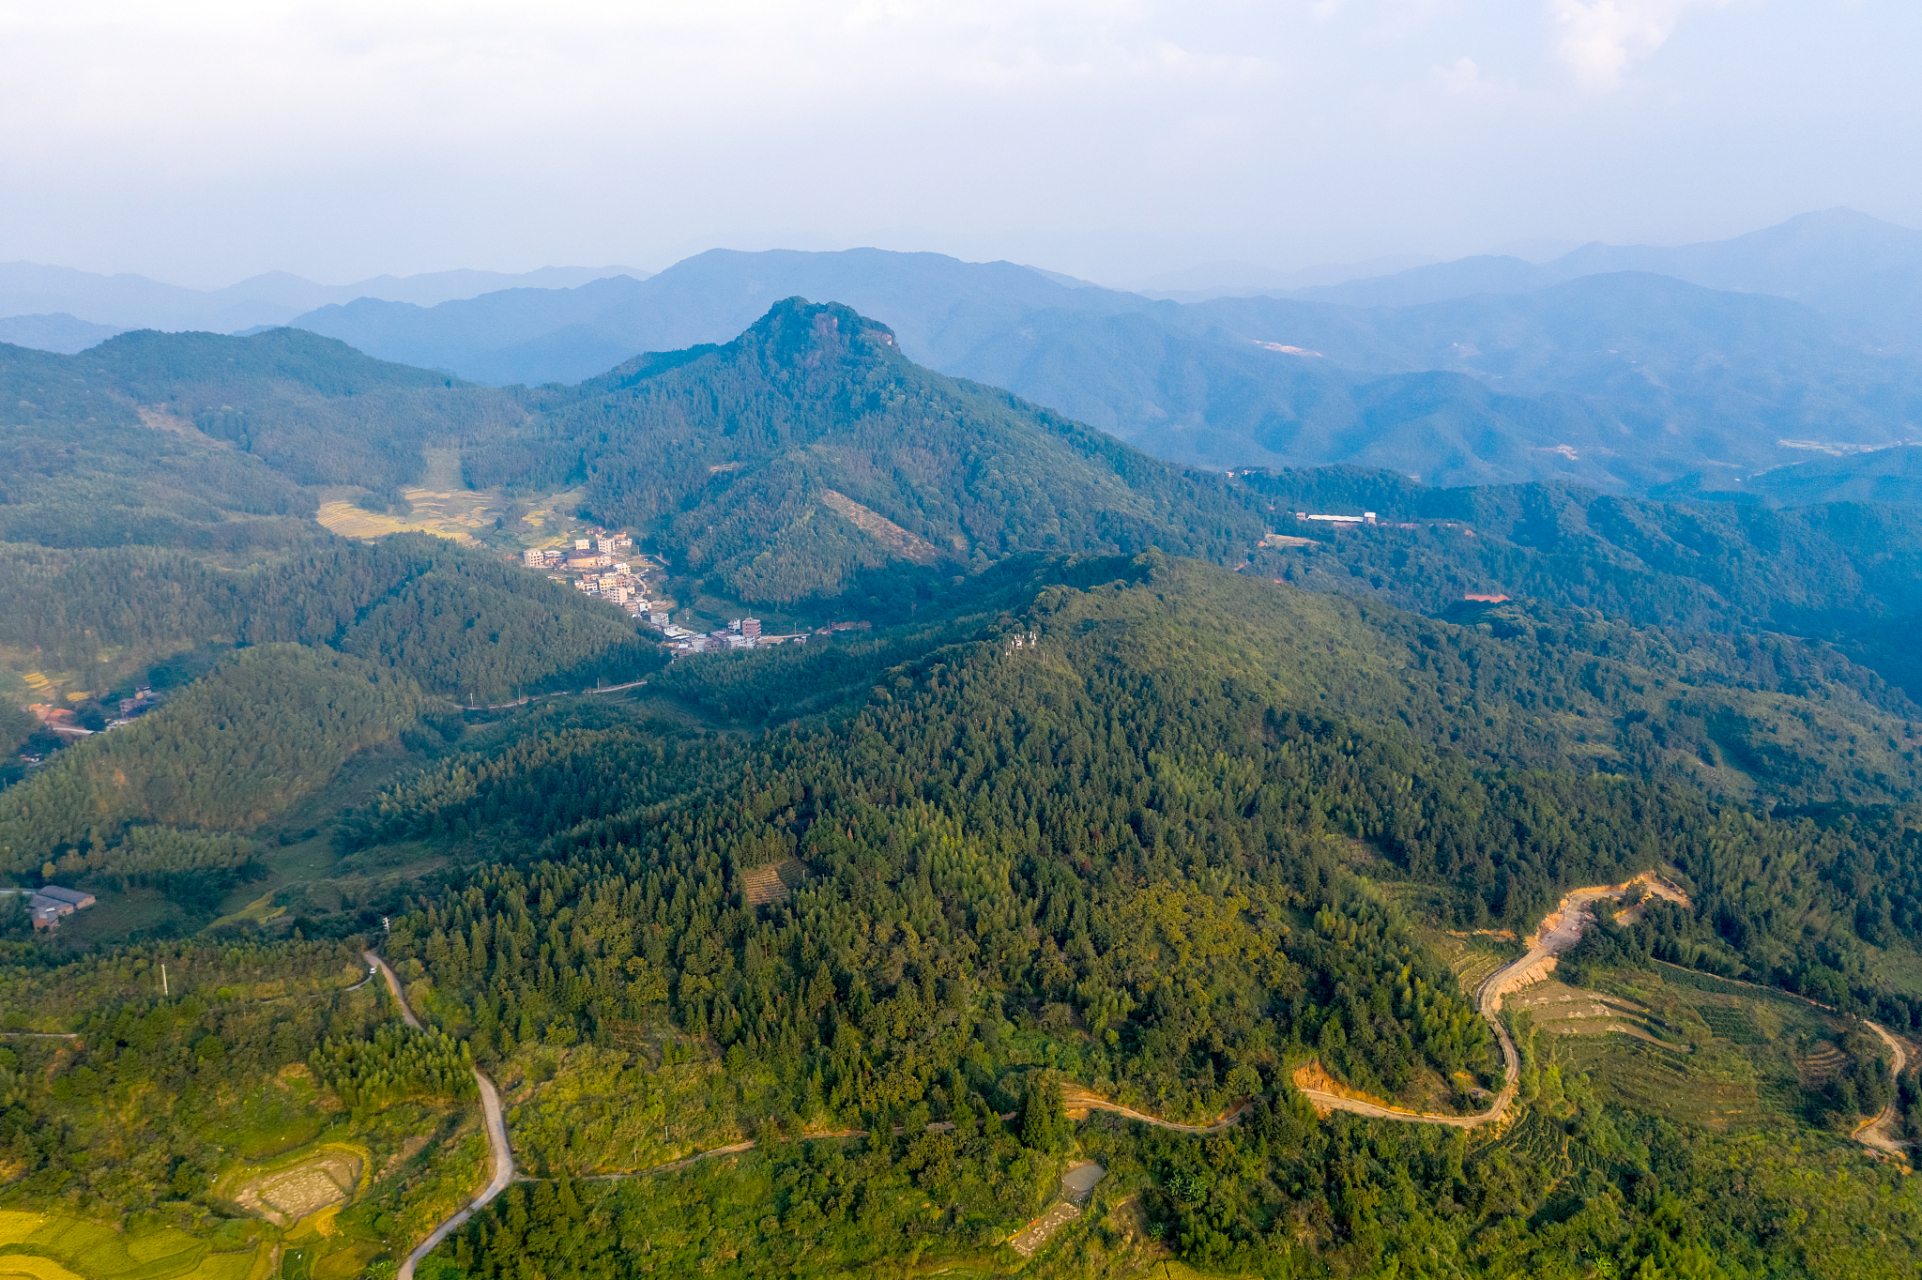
x=201, y=142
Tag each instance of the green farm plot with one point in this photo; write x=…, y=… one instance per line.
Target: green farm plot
x=1693, y=1047
x=1560, y=1009
x=284, y=1113
x=55, y=1246
x=1717, y=1087
x=1535, y=1140
x=1473, y=957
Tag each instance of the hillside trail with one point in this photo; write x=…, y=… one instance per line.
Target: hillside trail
x=492, y=1121
x=736, y=1148
x=1075, y=1098
x=1560, y=930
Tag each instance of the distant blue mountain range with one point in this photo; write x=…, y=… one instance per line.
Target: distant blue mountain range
x=1689, y=369
x=117, y=303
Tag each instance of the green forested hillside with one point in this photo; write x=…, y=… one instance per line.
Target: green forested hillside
x=764, y=462
x=1699, y=566
x=459, y=622
x=1428, y=741
x=1126, y=853
x=1135, y=824
x=313, y=409
x=1892, y=475
x=1845, y=573
x=265, y=728
x=101, y=474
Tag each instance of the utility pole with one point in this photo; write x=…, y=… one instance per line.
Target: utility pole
x=163, y=982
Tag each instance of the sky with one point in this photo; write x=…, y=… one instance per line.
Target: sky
x=202, y=142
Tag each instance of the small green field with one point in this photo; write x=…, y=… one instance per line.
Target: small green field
x=1473, y=957
x=1693, y=1047
x=56, y=1246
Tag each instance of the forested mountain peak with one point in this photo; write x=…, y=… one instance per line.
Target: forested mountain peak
x=794, y=339
x=809, y=450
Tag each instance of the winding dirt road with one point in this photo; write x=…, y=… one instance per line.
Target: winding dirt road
x=393, y=985
x=1879, y=1133
x=493, y=1122
x=1075, y=1098
x=1560, y=930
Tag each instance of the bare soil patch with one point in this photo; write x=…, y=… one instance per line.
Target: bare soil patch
x=286, y=1195
x=772, y=883
x=883, y=530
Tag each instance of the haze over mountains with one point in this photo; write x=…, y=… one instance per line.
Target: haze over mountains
x=62, y=309
x=1623, y=368
x=1854, y=268
x=1685, y=370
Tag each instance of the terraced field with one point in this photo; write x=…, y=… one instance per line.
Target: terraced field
x=1693, y=1046
x=441, y=505
x=51, y=1246
x=1561, y=1009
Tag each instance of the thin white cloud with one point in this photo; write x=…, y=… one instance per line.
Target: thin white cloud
x=1462, y=78
x=1601, y=38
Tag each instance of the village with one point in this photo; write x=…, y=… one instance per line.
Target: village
x=605, y=565
x=595, y=571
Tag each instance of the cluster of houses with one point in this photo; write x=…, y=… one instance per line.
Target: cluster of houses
x=50, y=902
x=741, y=633
x=607, y=566
x=60, y=720
x=596, y=568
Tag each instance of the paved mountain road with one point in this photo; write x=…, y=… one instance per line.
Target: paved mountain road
x=491, y=1120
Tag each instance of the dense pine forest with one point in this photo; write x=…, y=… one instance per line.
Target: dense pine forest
x=825, y=959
